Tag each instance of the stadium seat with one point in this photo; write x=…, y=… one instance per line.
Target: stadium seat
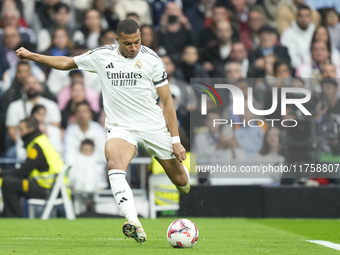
x=58, y=187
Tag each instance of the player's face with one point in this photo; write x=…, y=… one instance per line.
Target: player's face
x=129, y=44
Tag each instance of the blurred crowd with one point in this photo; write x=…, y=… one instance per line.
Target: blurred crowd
x=272, y=43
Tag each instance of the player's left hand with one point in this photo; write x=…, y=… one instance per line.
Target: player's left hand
x=179, y=151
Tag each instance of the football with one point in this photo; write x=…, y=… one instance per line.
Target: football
x=182, y=233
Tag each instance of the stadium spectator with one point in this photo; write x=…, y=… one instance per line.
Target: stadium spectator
x=329, y=71
x=149, y=39
x=107, y=37
x=188, y=100
x=215, y=142
x=91, y=29
x=21, y=108
x=321, y=34
x=10, y=4
x=215, y=57
x=10, y=18
x=233, y=71
x=77, y=95
x=239, y=54
x=298, y=36
x=331, y=20
x=269, y=9
x=36, y=175
x=109, y=19
x=320, y=57
x=242, y=11
x=250, y=37
x=268, y=39
x=271, y=148
x=11, y=39
x=86, y=177
x=140, y=7
x=189, y=66
x=16, y=90
x=53, y=133
x=61, y=19
x=282, y=75
x=316, y=4
x=243, y=85
x=329, y=122
x=175, y=32
x=91, y=96
x=200, y=14
x=61, y=46
x=207, y=37
x=43, y=17
x=248, y=138
x=330, y=88
x=134, y=16
x=82, y=129
x=288, y=12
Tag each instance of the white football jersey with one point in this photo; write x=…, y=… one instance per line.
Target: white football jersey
x=128, y=86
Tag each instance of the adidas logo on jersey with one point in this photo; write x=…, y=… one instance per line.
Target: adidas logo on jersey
x=122, y=200
x=110, y=65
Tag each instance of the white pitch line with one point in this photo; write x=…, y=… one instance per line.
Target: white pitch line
x=328, y=244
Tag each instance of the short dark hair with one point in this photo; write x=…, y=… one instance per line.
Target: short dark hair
x=132, y=14
x=75, y=71
x=23, y=62
x=303, y=7
x=83, y=103
x=279, y=63
x=60, y=6
x=31, y=122
x=36, y=108
x=127, y=26
x=329, y=81
x=87, y=142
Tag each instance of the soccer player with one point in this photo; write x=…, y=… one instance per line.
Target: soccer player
x=131, y=76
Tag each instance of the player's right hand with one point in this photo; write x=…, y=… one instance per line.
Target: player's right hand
x=24, y=54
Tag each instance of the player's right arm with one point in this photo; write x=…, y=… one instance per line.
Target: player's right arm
x=56, y=62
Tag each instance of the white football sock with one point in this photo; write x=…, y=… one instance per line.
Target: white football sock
x=123, y=196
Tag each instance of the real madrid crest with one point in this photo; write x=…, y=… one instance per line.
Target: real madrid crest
x=138, y=64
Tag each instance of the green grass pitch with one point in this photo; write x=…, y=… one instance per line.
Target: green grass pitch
x=216, y=236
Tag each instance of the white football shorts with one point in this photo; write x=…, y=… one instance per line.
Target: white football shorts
x=157, y=143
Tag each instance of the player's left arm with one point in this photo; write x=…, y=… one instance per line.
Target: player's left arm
x=171, y=120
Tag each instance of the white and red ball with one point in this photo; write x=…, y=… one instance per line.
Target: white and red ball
x=182, y=233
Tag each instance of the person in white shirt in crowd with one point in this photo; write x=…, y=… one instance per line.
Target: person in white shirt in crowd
x=86, y=177
x=216, y=142
x=271, y=148
x=298, y=36
x=141, y=8
x=84, y=128
x=21, y=108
